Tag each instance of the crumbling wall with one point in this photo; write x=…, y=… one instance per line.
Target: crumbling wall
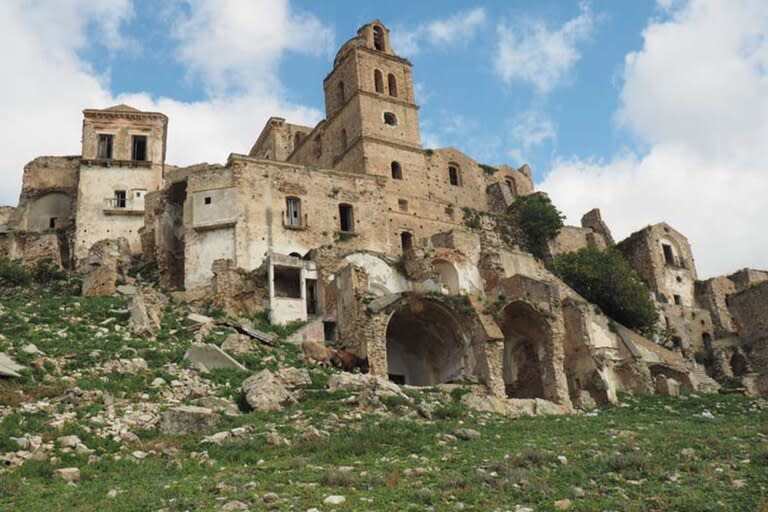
x=750, y=314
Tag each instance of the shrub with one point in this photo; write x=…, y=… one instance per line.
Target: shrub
x=12, y=273
x=606, y=279
x=537, y=219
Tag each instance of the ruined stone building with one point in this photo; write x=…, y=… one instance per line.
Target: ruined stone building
x=378, y=245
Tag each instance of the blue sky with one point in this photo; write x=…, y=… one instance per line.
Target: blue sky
x=649, y=109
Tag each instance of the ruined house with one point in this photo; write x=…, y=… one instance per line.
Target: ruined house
x=377, y=244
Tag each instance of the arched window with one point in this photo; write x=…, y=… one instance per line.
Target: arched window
x=378, y=81
x=406, y=241
x=397, y=171
x=378, y=38
x=341, y=92
x=343, y=139
x=390, y=119
x=346, y=218
x=392, y=84
x=454, y=175
x=292, y=212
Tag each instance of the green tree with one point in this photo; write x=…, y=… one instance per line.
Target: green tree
x=605, y=278
x=537, y=220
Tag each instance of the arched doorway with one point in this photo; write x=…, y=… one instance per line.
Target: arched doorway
x=739, y=364
x=526, y=340
x=424, y=344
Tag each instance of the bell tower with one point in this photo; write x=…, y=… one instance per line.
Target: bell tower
x=370, y=102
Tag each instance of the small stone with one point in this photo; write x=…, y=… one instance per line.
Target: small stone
x=578, y=492
x=68, y=474
x=31, y=348
x=467, y=434
x=563, y=504
x=68, y=441
x=112, y=493
x=234, y=506
x=270, y=497
x=334, y=499
x=562, y=459
x=737, y=484
x=138, y=454
x=158, y=382
x=688, y=453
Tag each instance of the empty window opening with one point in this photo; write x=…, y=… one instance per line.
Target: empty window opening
x=293, y=212
x=52, y=222
x=342, y=94
x=139, y=148
x=677, y=341
x=392, y=84
x=402, y=204
x=453, y=175
x=739, y=365
x=512, y=187
x=287, y=282
x=669, y=255
x=406, y=241
x=295, y=255
x=397, y=171
x=329, y=331
x=297, y=139
x=390, y=119
x=706, y=338
x=138, y=194
x=678, y=300
x=346, y=218
x=104, y=150
x=378, y=38
x=397, y=379
x=207, y=200
x=311, y=296
x=378, y=81
x=343, y=139
x=120, y=199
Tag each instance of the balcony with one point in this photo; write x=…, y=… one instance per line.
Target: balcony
x=120, y=206
x=111, y=162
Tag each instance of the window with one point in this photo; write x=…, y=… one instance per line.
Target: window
x=390, y=119
x=669, y=255
x=406, y=241
x=346, y=218
x=311, y=285
x=207, y=200
x=378, y=38
x=341, y=92
x=52, y=222
x=104, y=150
x=139, y=148
x=293, y=211
x=453, y=175
x=402, y=204
x=329, y=331
x=287, y=282
x=392, y=83
x=678, y=300
x=397, y=171
x=120, y=199
x=378, y=81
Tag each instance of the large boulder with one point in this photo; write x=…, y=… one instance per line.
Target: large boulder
x=358, y=383
x=265, y=392
x=107, y=260
x=146, y=315
x=189, y=419
x=211, y=357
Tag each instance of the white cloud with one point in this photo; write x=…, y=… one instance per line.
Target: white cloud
x=47, y=85
x=531, y=52
x=459, y=27
x=529, y=130
x=697, y=95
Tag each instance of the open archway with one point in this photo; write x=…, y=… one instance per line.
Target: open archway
x=739, y=364
x=526, y=339
x=447, y=275
x=425, y=345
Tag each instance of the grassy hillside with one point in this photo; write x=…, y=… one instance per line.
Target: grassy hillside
x=651, y=453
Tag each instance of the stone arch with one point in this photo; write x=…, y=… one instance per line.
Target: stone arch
x=43, y=212
x=527, y=348
x=378, y=81
x=378, y=38
x=739, y=364
x=447, y=275
x=425, y=344
x=392, y=85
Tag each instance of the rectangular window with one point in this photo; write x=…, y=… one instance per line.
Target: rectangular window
x=207, y=200
x=453, y=175
x=287, y=282
x=104, y=149
x=402, y=204
x=139, y=148
x=678, y=300
x=293, y=212
x=120, y=199
x=669, y=256
x=346, y=218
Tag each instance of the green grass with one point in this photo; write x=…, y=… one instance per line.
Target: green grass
x=624, y=458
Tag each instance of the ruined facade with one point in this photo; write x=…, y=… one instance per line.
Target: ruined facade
x=375, y=243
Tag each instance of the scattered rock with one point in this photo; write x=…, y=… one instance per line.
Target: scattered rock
x=563, y=504
x=562, y=459
x=106, y=261
x=195, y=320
x=126, y=289
x=484, y=403
x=146, y=317
x=211, y=357
x=275, y=439
x=238, y=344
x=234, y=506
x=188, y=419
x=293, y=378
x=334, y=499
x=356, y=382
x=688, y=453
x=68, y=474
x=467, y=434
x=31, y=349
x=270, y=497
x=584, y=401
x=265, y=392
x=219, y=404
x=8, y=367
x=68, y=441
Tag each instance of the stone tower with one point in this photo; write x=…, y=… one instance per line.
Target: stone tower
x=370, y=106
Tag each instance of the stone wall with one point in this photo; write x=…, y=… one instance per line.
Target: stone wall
x=750, y=314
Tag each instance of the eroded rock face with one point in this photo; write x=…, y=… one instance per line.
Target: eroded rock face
x=265, y=392
x=189, y=419
x=107, y=260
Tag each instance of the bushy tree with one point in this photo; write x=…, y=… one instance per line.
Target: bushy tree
x=605, y=278
x=537, y=220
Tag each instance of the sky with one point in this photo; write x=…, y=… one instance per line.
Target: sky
x=650, y=110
